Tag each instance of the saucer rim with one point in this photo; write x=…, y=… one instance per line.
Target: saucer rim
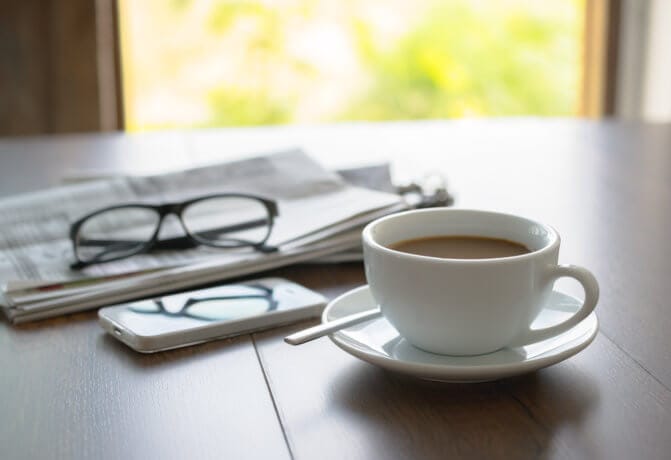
x=459, y=373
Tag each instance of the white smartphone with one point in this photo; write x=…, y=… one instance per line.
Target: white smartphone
x=188, y=318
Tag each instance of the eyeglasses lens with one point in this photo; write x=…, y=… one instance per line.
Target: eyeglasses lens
x=228, y=221
x=115, y=233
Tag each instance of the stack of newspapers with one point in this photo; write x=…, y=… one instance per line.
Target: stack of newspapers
x=320, y=215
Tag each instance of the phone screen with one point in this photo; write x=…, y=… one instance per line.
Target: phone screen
x=197, y=309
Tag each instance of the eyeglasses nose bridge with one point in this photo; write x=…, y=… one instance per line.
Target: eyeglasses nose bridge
x=170, y=208
x=164, y=210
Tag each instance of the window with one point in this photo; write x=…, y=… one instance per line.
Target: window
x=204, y=63
x=152, y=64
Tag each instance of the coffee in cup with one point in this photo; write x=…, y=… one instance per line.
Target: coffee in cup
x=467, y=282
x=461, y=247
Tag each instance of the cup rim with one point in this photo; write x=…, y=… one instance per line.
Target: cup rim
x=368, y=239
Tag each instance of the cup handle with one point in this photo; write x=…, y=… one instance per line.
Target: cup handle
x=591, y=287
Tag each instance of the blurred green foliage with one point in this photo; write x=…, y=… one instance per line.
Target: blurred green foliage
x=241, y=107
x=447, y=59
x=262, y=103
x=459, y=62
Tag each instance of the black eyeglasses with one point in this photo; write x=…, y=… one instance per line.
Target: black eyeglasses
x=252, y=299
x=230, y=220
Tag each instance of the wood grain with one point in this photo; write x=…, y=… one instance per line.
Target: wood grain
x=599, y=404
x=70, y=391
x=334, y=406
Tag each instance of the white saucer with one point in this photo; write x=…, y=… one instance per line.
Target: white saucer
x=378, y=343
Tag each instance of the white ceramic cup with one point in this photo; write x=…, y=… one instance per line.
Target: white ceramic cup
x=468, y=306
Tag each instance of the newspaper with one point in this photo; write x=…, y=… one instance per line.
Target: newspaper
x=319, y=214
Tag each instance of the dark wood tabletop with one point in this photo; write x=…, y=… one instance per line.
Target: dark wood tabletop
x=70, y=391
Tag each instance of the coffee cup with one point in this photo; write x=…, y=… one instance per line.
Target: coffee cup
x=467, y=306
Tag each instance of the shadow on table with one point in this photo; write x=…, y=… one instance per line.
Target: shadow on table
x=71, y=319
x=81, y=329
x=108, y=345
x=513, y=418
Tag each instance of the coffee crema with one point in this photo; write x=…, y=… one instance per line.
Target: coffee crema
x=461, y=247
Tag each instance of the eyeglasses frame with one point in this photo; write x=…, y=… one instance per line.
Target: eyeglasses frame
x=186, y=241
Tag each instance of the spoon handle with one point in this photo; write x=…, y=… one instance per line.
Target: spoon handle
x=320, y=330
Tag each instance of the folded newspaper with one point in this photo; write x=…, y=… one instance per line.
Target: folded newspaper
x=320, y=214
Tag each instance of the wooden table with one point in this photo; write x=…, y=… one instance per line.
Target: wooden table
x=69, y=391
